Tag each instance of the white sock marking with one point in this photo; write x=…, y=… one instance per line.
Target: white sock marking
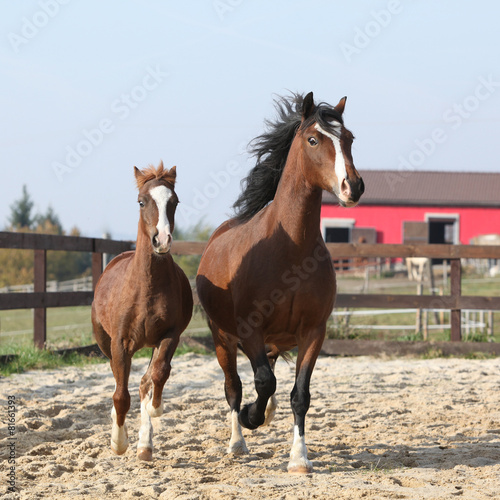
x=146, y=429
x=119, y=435
x=237, y=443
x=298, y=453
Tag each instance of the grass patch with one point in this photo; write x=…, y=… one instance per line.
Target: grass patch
x=31, y=358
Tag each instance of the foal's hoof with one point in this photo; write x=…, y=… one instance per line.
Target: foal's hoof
x=145, y=454
x=117, y=449
x=300, y=469
x=300, y=465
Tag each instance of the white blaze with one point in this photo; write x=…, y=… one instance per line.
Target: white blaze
x=161, y=195
x=340, y=170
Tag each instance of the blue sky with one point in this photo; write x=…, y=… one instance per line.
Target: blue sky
x=90, y=89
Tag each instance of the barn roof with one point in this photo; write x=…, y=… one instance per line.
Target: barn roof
x=403, y=187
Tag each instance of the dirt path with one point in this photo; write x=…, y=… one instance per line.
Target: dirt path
x=376, y=429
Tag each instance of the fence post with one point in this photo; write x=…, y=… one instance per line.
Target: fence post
x=40, y=285
x=456, y=290
x=96, y=268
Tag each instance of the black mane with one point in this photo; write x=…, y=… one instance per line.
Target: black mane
x=271, y=151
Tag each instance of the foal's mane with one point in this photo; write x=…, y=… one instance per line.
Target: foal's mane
x=159, y=173
x=271, y=151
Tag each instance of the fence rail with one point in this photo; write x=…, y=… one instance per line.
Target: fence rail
x=40, y=299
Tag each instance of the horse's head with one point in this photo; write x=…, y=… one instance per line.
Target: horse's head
x=326, y=144
x=158, y=202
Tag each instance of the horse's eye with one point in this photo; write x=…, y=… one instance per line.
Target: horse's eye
x=141, y=203
x=312, y=141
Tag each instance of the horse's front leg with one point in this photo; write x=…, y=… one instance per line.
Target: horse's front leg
x=151, y=391
x=309, y=348
x=120, y=364
x=254, y=415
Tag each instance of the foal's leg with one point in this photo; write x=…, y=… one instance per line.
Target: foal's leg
x=309, y=348
x=151, y=400
x=120, y=364
x=145, y=443
x=226, y=349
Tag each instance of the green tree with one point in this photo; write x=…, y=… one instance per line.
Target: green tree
x=17, y=265
x=48, y=223
x=21, y=216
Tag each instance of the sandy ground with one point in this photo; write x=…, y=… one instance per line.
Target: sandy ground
x=403, y=428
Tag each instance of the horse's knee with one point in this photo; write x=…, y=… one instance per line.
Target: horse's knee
x=300, y=400
x=233, y=390
x=265, y=382
x=121, y=402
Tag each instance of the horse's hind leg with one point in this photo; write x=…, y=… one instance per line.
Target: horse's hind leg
x=151, y=390
x=272, y=404
x=226, y=349
x=120, y=364
x=309, y=348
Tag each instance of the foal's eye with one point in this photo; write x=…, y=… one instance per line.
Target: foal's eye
x=141, y=203
x=312, y=141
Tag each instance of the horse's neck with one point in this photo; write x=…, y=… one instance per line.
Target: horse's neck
x=148, y=267
x=297, y=204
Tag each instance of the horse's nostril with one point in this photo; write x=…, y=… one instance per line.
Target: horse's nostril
x=345, y=188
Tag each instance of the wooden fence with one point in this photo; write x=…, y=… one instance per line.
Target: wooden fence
x=40, y=299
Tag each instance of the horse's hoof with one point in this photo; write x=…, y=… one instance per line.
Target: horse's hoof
x=145, y=454
x=244, y=419
x=300, y=469
x=237, y=449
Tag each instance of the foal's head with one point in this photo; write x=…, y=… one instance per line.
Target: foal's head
x=158, y=202
x=326, y=143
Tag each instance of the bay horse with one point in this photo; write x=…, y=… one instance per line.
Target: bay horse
x=143, y=299
x=266, y=279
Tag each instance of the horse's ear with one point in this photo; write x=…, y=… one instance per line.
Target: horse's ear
x=139, y=177
x=173, y=172
x=341, y=105
x=307, y=106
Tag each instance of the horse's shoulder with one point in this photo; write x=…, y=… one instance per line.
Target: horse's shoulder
x=120, y=258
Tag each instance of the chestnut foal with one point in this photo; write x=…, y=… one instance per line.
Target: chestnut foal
x=143, y=299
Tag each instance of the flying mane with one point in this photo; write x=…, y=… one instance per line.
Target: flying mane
x=271, y=151
x=150, y=173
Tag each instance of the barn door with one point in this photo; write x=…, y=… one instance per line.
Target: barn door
x=415, y=233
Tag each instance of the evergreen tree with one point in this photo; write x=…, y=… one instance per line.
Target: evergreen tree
x=21, y=212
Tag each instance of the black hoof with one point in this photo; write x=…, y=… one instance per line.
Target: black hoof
x=244, y=418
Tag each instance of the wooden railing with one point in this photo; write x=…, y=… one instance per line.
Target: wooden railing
x=41, y=299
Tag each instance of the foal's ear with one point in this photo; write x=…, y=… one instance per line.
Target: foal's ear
x=307, y=106
x=138, y=175
x=341, y=105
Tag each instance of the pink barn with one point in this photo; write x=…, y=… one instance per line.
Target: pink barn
x=410, y=207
